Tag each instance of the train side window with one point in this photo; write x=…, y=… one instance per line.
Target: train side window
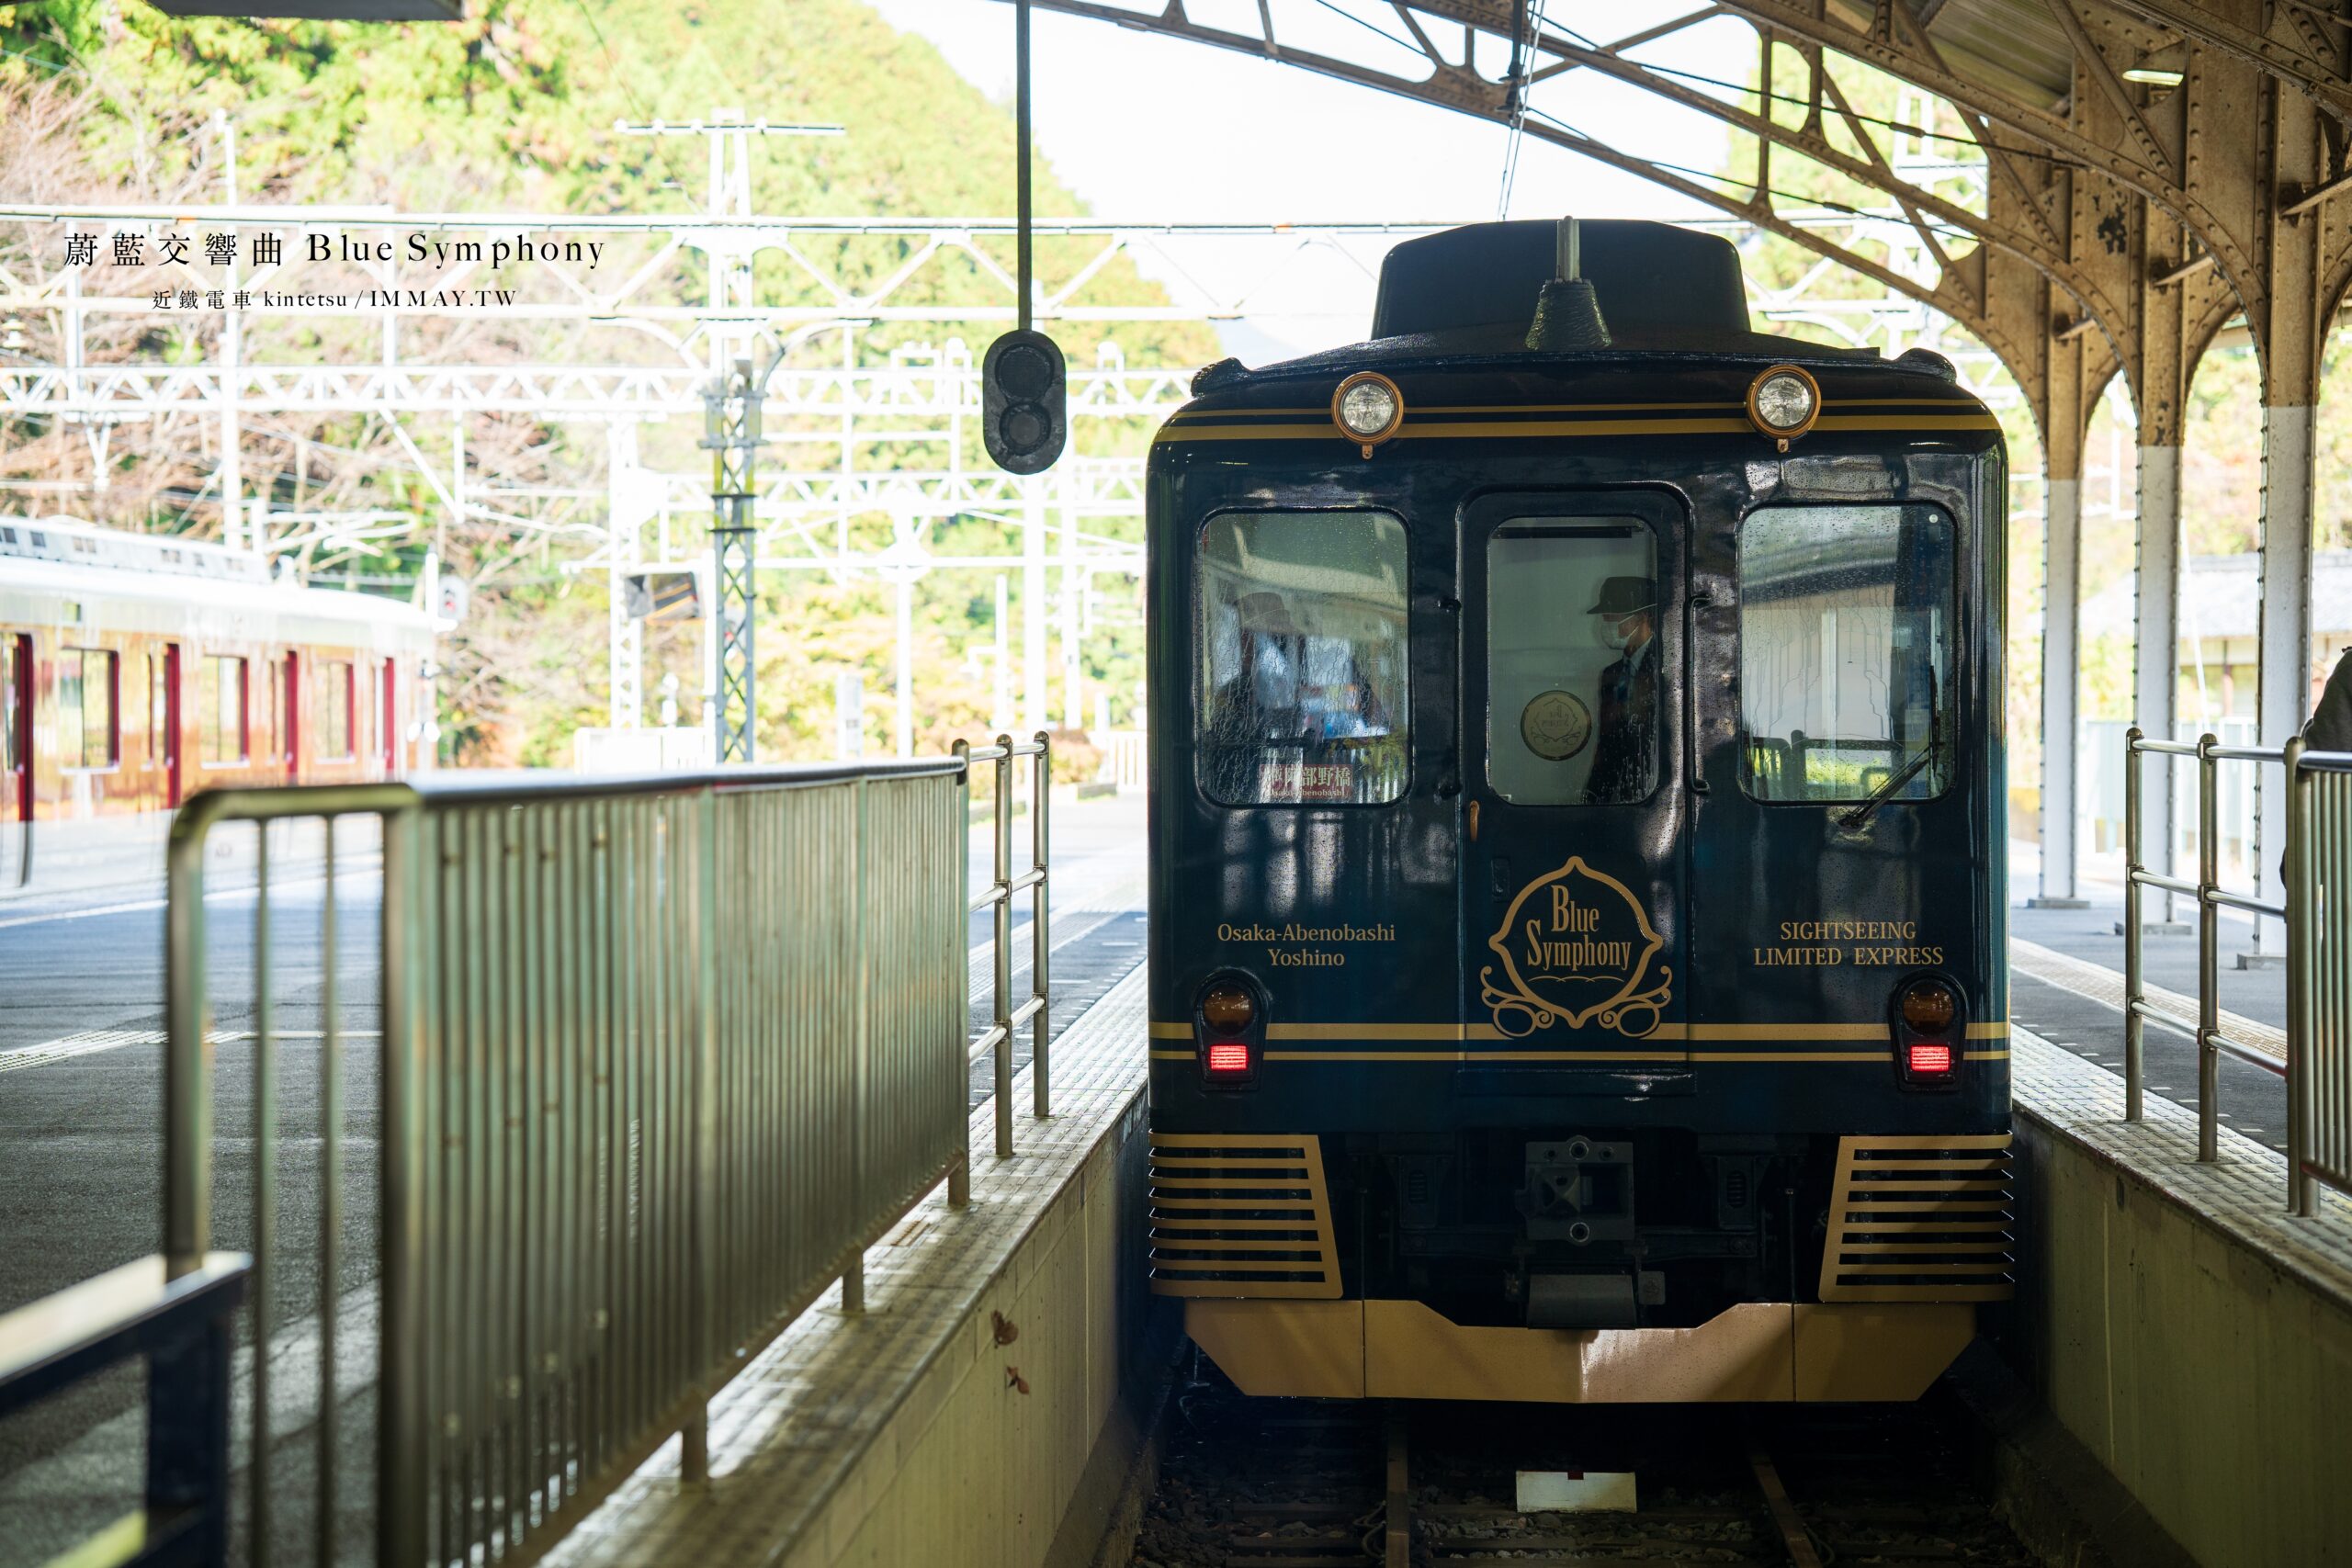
x=1301, y=660
x=87, y=736
x=224, y=696
x=1845, y=652
x=335, y=743
x=1573, y=662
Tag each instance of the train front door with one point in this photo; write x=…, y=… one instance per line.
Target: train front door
x=1572, y=746
x=16, y=760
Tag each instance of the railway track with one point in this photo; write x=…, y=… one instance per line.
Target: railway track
x=1305, y=1484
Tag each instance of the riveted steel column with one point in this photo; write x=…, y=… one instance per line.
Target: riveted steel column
x=2061, y=681
x=2156, y=674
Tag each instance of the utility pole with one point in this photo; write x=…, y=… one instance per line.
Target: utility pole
x=731, y=415
x=731, y=433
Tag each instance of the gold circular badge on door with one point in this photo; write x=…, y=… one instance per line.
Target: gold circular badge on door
x=1555, y=725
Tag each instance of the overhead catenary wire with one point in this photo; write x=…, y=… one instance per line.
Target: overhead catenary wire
x=1525, y=25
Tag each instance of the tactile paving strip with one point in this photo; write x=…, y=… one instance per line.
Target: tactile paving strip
x=2243, y=1194
x=801, y=1422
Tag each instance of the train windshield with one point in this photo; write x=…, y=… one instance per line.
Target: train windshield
x=1573, y=662
x=1303, y=697
x=1845, y=665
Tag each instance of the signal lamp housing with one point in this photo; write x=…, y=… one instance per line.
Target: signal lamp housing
x=1230, y=1030
x=1783, y=402
x=1368, y=408
x=1025, y=402
x=1929, y=1023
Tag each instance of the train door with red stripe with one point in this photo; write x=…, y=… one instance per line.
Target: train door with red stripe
x=16, y=759
x=292, y=736
x=166, y=742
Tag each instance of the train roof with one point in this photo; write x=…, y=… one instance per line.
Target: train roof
x=61, y=569
x=1465, y=299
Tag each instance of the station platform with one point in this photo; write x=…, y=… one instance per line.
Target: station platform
x=971, y=1412
x=991, y=1404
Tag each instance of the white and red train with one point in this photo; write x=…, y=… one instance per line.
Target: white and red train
x=138, y=668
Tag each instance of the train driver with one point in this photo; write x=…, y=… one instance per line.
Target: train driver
x=1627, y=608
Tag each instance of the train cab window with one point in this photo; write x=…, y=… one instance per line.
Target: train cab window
x=1845, y=658
x=1301, y=661
x=224, y=697
x=1573, y=662
x=87, y=735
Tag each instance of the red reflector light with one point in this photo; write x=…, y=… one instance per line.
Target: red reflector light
x=1929, y=1058
x=1229, y=1057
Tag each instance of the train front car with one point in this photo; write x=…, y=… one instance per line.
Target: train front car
x=1576, y=846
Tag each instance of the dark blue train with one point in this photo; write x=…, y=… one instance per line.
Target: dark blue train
x=1578, y=843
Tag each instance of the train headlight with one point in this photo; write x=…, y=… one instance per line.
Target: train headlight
x=1368, y=408
x=1228, y=1007
x=1783, y=402
x=1929, y=1006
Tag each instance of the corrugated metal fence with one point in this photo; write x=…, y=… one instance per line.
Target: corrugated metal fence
x=661, y=1058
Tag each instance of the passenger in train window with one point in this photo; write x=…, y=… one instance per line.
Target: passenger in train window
x=1627, y=608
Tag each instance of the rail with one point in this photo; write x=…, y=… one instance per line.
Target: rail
x=661, y=1056
x=2317, y=1064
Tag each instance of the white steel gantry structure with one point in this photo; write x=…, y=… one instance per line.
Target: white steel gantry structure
x=870, y=329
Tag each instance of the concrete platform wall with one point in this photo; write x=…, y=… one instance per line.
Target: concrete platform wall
x=978, y=1469
x=2194, y=1340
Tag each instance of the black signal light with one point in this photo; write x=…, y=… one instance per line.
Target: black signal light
x=1928, y=1023
x=1229, y=1029
x=1025, y=402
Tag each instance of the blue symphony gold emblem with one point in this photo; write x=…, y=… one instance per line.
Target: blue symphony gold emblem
x=1576, y=948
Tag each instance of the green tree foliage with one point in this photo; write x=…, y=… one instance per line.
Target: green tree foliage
x=515, y=108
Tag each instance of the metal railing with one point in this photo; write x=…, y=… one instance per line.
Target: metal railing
x=2319, y=972
x=661, y=1058
x=2317, y=1062
x=996, y=1041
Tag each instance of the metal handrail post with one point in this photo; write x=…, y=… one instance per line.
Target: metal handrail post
x=2303, y=928
x=693, y=1433
x=187, y=1102
x=1040, y=943
x=1002, y=910
x=2134, y=1070
x=400, y=1472
x=959, y=1175
x=2208, y=949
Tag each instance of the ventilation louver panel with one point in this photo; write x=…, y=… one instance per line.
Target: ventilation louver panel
x=1240, y=1214
x=1921, y=1218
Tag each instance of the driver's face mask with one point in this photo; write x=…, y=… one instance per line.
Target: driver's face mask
x=1619, y=633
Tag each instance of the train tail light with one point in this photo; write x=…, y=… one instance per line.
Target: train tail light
x=1228, y=1020
x=1925, y=1059
x=1227, y=1057
x=1928, y=1023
